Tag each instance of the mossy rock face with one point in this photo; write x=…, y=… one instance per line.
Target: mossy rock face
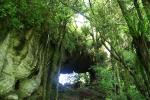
x=15, y=66
x=3, y=52
x=18, y=65
x=23, y=65
x=23, y=70
x=6, y=84
x=27, y=87
x=12, y=96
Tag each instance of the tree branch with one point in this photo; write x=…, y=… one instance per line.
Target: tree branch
x=76, y=10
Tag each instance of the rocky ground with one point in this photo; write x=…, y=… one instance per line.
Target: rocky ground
x=85, y=93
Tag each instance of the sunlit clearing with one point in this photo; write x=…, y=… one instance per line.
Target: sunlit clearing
x=67, y=78
x=79, y=20
x=86, y=2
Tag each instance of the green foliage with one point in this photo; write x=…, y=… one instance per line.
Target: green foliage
x=135, y=95
x=19, y=14
x=70, y=42
x=105, y=79
x=7, y=8
x=6, y=84
x=129, y=57
x=27, y=87
x=106, y=83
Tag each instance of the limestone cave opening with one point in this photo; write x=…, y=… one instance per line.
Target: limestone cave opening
x=68, y=78
x=73, y=80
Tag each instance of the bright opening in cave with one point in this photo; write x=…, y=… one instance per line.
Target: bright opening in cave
x=67, y=78
x=72, y=78
x=79, y=20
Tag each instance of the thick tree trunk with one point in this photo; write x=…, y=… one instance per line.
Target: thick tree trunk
x=143, y=58
x=139, y=43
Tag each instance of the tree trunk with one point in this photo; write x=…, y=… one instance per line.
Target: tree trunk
x=139, y=43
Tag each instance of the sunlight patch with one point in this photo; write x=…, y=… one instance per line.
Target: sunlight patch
x=67, y=78
x=79, y=20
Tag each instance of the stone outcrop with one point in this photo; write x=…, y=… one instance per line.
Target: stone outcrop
x=21, y=65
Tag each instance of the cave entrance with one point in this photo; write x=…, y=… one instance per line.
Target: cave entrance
x=73, y=80
x=68, y=78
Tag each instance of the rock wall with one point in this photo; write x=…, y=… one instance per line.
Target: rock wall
x=22, y=61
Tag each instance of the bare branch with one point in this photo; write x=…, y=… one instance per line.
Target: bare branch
x=91, y=7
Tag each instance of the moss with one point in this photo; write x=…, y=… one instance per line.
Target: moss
x=19, y=44
x=18, y=64
x=6, y=84
x=3, y=52
x=12, y=96
x=27, y=87
x=12, y=65
x=15, y=64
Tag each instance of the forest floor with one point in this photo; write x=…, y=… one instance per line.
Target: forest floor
x=84, y=93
